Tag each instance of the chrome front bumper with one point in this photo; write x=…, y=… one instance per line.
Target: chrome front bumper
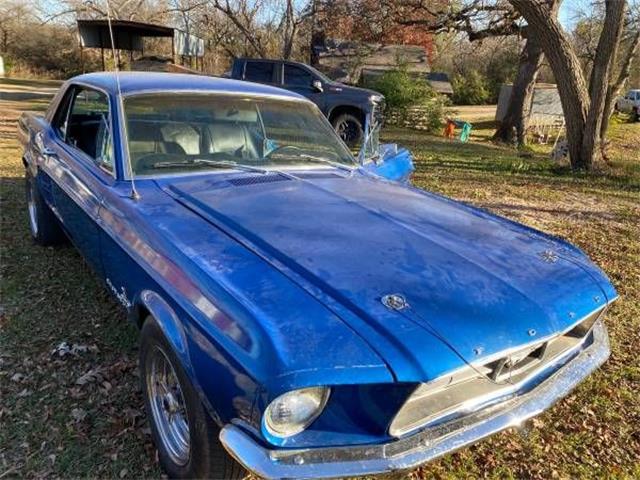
x=423, y=446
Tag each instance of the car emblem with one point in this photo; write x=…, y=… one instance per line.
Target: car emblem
x=549, y=256
x=394, y=301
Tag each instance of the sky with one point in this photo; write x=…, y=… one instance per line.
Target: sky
x=570, y=9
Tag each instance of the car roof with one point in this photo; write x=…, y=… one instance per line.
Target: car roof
x=138, y=82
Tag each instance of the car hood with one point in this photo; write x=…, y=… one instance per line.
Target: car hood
x=478, y=283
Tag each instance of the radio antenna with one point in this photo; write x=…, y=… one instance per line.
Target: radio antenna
x=134, y=192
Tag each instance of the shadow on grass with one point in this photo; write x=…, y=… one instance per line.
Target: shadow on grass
x=568, y=212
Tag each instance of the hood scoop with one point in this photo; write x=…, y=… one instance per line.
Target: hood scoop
x=256, y=179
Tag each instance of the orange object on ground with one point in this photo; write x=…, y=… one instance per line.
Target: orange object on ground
x=449, y=130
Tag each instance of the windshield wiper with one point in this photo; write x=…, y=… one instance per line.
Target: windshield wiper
x=211, y=163
x=313, y=158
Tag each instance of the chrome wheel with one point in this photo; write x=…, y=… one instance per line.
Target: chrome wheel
x=33, y=210
x=168, y=407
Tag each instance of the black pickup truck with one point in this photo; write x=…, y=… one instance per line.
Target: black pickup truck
x=346, y=107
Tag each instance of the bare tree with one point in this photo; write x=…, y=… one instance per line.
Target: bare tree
x=269, y=27
x=619, y=81
x=516, y=117
x=514, y=124
x=583, y=105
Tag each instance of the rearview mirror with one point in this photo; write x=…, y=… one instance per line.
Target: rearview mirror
x=317, y=84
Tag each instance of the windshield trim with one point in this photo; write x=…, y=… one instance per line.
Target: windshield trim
x=199, y=91
x=226, y=171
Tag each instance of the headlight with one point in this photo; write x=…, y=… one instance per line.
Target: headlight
x=294, y=411
x=375, y=99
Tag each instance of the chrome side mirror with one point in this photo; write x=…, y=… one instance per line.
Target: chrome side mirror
x=41, y=147
x=370, y=149
x=317, y=85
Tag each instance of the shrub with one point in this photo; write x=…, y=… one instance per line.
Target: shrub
x=402, y=89
x=470, y=89
x=408, y=97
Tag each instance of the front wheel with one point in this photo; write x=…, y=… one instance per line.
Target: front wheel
x=349, y=128
x=185, y=435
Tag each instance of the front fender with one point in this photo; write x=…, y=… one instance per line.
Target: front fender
x=170, y=325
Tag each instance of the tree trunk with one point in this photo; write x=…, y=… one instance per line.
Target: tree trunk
x=600, y=75
x=290, y=30
x=516, y=117
x=582, y=112
x=616, y=87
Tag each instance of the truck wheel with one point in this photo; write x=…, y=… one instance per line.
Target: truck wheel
x=43, y=224
x=349, y=128
x=184, y=434
x=636, y=114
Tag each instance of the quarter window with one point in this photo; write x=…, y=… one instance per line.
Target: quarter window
x=261, y=72
x=89, y=127
x=296, y=76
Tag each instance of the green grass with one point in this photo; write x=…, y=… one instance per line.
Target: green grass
x=48, y=296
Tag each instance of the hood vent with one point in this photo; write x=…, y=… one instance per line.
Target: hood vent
x=255, y=179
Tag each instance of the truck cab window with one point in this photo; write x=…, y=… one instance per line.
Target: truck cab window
x=261, y=72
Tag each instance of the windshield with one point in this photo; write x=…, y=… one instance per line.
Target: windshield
x=169, y=133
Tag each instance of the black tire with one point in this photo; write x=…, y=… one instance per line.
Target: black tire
x=207, y=458
x=636, y=114
x=349, y=128
x=43, y=224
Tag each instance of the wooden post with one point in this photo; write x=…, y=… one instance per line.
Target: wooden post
x=173, y=47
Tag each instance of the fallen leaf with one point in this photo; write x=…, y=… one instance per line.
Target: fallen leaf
x=78, y=414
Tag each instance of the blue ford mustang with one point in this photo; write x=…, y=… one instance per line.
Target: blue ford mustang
x=301, y=315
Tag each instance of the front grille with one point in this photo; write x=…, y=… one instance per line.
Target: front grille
x=498, y=379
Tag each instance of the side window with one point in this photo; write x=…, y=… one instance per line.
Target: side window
x=61, y=117
x=261, y=72
x=296, y=76
x=89, y=127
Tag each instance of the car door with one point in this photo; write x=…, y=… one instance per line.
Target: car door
x=301, y=80
x=79, y=161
